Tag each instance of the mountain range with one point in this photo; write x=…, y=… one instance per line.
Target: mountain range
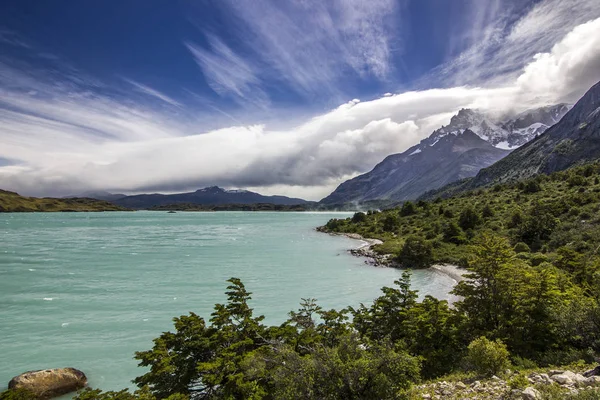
x=208, y=196
x=472, y=141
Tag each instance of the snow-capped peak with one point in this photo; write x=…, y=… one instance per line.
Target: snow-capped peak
x=509, y=133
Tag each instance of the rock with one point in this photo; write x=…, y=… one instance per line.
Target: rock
x=426, y=396
x=592, y=381
x=50, y=383
x=545, y=378
x=556, y=372
x=592, y=372
x=562, y=379
x=531, y=394
x=461, y=385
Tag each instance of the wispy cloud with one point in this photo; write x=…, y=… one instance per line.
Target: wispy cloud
x=152, y=92
x=309, y=45
x=226, y=72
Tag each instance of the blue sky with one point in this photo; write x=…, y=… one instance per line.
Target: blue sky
x=174, y=95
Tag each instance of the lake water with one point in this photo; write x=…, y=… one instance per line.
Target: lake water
x=87, y=290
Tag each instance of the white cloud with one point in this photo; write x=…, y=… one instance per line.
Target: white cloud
x=502, y=45
x=571, y=66
x=65, y=140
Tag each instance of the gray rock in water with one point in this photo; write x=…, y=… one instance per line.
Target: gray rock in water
x=48, y=383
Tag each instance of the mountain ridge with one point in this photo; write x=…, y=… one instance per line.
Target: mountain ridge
x=212, y=195
x=457, y=151
x=574, y=140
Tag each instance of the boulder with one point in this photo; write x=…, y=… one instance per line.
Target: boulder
x=531, y=394
x=592, y=372
x=49, y=383
x=562, y=379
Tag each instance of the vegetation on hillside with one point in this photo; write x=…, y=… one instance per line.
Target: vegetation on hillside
x=13, y=202
x=551, y=219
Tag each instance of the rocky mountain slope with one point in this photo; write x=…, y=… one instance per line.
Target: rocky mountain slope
x=208, y=196
x=470, y=142
x=408, y=175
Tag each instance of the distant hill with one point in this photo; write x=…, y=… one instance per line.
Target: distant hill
x=13, y=202
x=213, y=195
x=574, y=140
x=99, y=195
x=470, y=142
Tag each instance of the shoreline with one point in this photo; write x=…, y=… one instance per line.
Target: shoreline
x=384, y=260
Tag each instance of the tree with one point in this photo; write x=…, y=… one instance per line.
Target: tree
x=205, y=360
x=359, y=217
x=416, y=252
x=390, y=223
x=531, y=186
x=537, y=226
x=468, y=219
x=453, y=234
x=487, y=212
x=408, y=208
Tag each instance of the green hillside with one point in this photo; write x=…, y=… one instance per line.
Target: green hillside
x=546, y=219
x=13, y=202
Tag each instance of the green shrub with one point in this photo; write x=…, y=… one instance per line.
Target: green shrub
x=487, y=358
x=487, y=212
x=16, y=394
x=453, y=234
x=522, y=248
x=468, y=219
x=518, y=381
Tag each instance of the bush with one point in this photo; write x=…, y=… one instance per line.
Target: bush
x=453, y=233
x=522, y=248
x=391, y=223
x=16, y=394
x=487, y=358
x=531, y=187
x=468, y=219
x=518, y=381
x=416, y=253
x=487, y=212
x=408, y=208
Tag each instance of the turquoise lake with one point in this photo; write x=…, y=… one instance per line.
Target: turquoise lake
x=87, y=290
